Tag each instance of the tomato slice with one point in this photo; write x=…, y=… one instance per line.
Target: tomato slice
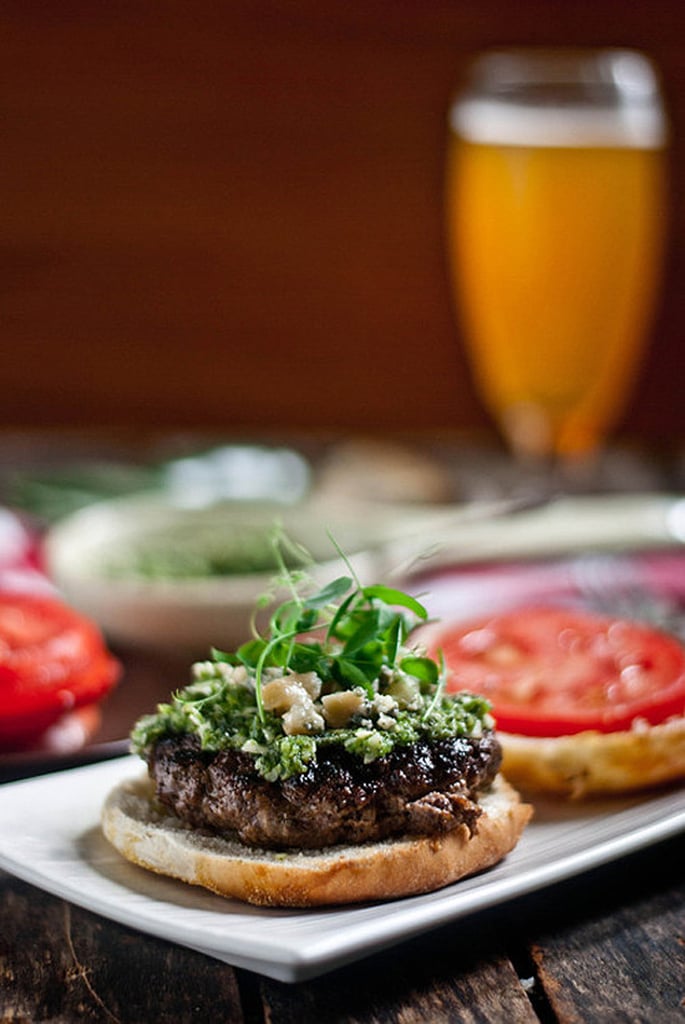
x=556, y=671
x=52, y=660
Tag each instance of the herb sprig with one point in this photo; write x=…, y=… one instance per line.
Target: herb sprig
x=352, y=633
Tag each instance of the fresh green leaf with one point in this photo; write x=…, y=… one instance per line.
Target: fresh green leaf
x=350, y=672
x=329, y=594
x=395, y=597
x=395, y=636
x=224, y=656
x=424, y=669
x=366, y=632
x=339, y=615
x=250, y=652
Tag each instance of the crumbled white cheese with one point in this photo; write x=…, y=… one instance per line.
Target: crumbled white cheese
x=340, y=707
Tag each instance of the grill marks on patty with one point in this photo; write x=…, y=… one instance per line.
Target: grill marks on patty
x=424, y=789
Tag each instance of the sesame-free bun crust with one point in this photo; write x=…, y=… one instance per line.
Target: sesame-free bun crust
x=594, y=763
x=146, y=834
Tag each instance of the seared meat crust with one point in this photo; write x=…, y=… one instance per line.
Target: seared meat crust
x=425, y=789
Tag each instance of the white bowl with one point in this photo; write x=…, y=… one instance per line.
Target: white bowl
x=193, y=614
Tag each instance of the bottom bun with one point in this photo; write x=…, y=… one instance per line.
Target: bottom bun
x=595, y=763
x=146, y=834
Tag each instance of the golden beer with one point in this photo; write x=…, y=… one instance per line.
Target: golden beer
x=555, y=224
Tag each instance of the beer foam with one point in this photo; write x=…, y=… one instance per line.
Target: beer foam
x=497, y=122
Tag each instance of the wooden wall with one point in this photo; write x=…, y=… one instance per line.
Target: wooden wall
x=229, y=215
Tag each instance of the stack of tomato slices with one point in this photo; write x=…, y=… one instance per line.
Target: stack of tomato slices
x=555, y=671
x=53, y=662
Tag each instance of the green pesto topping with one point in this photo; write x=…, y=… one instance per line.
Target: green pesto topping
x=334, y=666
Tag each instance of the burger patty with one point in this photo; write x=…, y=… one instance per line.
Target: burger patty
x=424, y=789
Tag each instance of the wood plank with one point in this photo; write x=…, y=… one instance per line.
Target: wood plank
x=456, y=975
x=622, y=953
x=62, y=964
x=632, y=961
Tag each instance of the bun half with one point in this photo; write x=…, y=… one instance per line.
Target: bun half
x=594, y=763
x=146, y=834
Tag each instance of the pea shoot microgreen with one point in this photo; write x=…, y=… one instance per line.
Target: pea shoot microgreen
x=345, y=632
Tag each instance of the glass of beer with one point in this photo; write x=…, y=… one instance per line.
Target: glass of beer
x=556, y=212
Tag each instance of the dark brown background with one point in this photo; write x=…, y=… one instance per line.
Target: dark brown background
x=229, y=214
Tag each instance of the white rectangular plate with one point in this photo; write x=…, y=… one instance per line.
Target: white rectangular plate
x=50, y=837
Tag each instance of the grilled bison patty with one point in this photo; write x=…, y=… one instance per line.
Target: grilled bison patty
x=425, y=789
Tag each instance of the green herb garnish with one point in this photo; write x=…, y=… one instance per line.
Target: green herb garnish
x=334, y=665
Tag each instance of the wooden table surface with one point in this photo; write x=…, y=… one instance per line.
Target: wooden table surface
x=606, y=946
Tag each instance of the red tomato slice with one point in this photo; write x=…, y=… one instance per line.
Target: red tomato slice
x=52, y=660
x=557, y=671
